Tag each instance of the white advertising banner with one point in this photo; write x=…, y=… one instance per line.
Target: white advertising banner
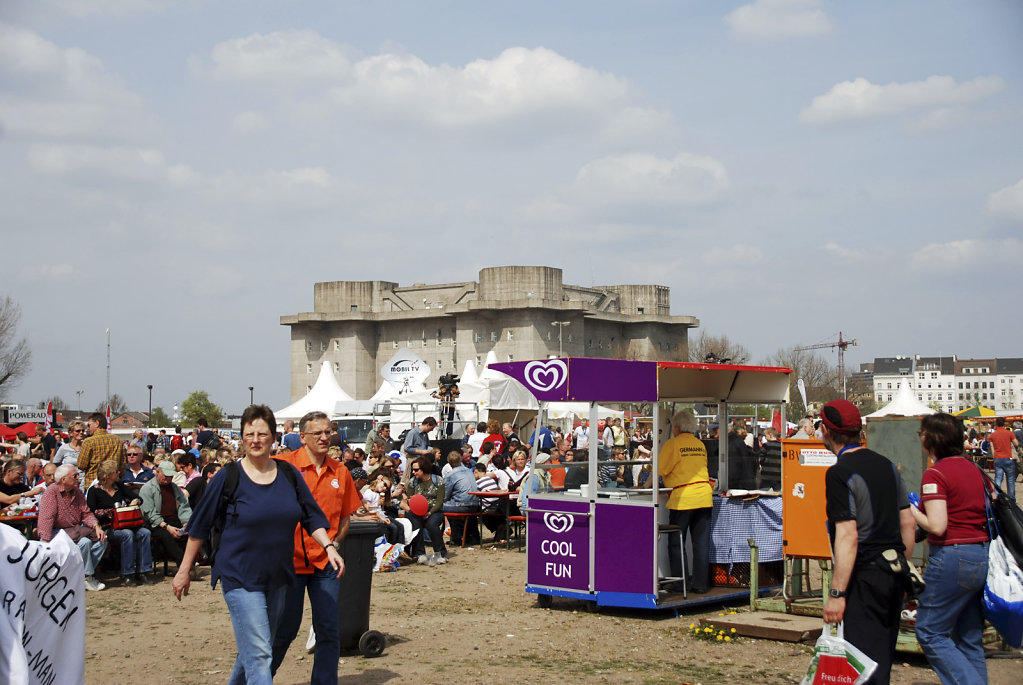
x=405, y=370
x=42, y=610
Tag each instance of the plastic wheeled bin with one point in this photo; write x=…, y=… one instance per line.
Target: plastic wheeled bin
x=356, y=584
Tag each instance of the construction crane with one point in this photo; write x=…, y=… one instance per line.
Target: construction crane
x=842, y=344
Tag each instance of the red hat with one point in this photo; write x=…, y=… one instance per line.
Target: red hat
x=841, y=416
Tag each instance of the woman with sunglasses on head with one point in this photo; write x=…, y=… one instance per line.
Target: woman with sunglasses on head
x=254, y=561
x=949, y=622
x=67, y=453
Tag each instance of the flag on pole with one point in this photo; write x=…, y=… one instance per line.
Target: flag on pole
x=776, y=422
x=49, y=417
x=802, y=391
x=109, y=424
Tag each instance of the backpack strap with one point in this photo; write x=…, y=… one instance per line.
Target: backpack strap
x=289, y=473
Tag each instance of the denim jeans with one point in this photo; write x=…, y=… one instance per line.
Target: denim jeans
x=92, y=552
x=949, y=619
x=136, y=550
x=323, y=588
x=432, y=525
x=255, y=615
x=1006, y=468
x=695, y=525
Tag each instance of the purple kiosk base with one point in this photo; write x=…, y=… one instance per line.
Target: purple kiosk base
x=603, y=545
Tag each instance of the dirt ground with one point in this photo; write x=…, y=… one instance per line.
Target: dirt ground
x=469, y=621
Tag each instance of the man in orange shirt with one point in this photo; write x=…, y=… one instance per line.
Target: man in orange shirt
x=1002, y=440
x=332, y=487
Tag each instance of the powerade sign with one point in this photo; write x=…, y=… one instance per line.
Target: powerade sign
x=24, y=415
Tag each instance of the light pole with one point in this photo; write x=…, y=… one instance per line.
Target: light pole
x=108, y=367
x=561, y=325
x=251, y=401
x=149, y=420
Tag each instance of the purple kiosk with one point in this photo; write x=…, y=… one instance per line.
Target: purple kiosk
x=608, y=545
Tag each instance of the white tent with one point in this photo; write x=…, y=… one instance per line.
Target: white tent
x=469, y=374
x=325, y=394
x=904, y=404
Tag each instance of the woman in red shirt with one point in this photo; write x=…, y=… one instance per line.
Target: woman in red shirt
x=949, y=622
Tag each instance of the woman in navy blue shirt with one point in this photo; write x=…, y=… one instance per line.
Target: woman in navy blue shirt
x=254, y=560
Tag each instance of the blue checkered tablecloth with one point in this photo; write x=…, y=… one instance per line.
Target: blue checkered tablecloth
x=734, y=521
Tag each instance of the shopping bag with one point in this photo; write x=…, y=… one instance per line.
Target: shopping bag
x=386, y=555
x=836, y=661
x=1003, y=593
x=127, y=517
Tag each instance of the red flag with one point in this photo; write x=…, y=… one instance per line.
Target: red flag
x=776, y=422
x=49, y=417
x=109, y=424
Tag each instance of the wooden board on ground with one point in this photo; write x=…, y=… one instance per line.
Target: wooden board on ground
x=769, y=625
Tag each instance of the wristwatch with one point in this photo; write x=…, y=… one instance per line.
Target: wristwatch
x=837, y=594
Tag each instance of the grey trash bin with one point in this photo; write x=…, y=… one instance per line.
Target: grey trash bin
x=356, y=586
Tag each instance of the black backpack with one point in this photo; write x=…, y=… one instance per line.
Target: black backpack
x=214, y=442
x=228, y=499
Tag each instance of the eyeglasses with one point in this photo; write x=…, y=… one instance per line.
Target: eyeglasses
x=78, y=430
x=415, y=471
x=319, y=434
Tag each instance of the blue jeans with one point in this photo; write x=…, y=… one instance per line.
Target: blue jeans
x=92, y=552
x=255, y=615
x=324, y=589
x=695, y=525
x=949, y=619
x=136, y=550
x=432, y=525
x=1006, y=468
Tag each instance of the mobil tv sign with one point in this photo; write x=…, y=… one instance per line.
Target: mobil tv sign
x=558, y=544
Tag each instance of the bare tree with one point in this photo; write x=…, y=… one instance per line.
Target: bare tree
x=718, y=345
x=58, y=403
x=819, y=377
x=15, y=355
x=117, y=406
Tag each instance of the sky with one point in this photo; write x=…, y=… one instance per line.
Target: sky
x=182, y=172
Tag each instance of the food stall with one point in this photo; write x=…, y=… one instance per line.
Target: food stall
x=608, y=545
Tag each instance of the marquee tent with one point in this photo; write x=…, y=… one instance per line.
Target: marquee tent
x=904, y=404
x=325, y=394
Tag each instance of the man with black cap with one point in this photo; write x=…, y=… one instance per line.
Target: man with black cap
x=871, y=530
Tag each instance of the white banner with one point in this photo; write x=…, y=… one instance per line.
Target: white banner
x=42, y=610
x=24, y=415
x=404, y=370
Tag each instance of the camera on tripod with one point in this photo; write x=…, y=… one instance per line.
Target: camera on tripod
x=447, y=385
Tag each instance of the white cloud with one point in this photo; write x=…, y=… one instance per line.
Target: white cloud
x=518, y=83
x=312, y=186
x=964, y=255
x=280, y=58
x=52, y=273
x=248, y=122
x=1008, y=201
x=776, y=19
x=63, y=92
x=630, y=179
x=861, y=99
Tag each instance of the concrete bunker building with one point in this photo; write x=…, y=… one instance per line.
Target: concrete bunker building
x=510, y=310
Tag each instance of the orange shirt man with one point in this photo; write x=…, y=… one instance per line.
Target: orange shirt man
x=333, y=489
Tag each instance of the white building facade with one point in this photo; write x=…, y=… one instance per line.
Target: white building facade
x=950, y=384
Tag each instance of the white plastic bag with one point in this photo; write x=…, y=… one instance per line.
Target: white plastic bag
x=837, y=661
x=1003, y=593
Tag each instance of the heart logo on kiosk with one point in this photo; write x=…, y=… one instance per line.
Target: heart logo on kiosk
x=558, y=523
x=544, y=376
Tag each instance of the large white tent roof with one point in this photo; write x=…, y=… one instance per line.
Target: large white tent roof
x=323, y=396
x=904, y=404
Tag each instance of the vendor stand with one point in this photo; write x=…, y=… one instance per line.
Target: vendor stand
x=608, y=545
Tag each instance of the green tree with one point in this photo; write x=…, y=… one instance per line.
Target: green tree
x=15, y=354
x=117, y=406
x=199, y=406
x=159, y=418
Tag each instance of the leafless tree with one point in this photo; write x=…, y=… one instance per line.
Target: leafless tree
x=819, y=377
x=117, y=406
x=58, y=403
x=718, y=345
x=15, y=355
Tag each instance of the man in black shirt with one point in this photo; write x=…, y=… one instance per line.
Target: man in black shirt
x=868, y=515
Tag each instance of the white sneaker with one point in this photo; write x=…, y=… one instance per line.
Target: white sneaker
x=310, y=643
x=92, y=584
x=440, y=559
x=433, y=560
x=423, y=560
